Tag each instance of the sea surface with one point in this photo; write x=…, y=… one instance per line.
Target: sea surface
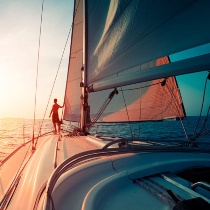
x=15, y=132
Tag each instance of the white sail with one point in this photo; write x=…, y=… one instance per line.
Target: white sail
x=125, y=39
x=125, y=34
x=147, y=101
x=73, y=89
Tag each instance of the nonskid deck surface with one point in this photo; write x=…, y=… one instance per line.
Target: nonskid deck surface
x=69, y=146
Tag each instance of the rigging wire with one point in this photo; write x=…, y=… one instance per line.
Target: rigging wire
x=204, y=92
x=140, y=92
x=58, y=72
x=175, y=102
x=103, y=107
x=205, y=120
x=37, y=73
x=140, y=88
x=127, y=114
x=55, y=79
x=202, y=133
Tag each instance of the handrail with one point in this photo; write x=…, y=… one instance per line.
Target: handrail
x=168, y=143
x=201, y=184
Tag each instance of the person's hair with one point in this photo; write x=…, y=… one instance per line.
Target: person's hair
x=55, y=100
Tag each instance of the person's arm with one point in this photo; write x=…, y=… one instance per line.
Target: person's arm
x=61, y=106
x=50, y=112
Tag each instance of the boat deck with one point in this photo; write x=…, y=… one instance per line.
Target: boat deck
x=103, y=182
x=51, y=150
x=70, y=146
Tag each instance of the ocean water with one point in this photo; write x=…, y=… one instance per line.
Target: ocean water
x=162, y=130
x=15, y=132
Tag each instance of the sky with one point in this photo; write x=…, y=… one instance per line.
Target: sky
x=192, y=85
x=19, y=39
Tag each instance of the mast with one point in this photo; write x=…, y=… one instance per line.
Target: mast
x=84, y=96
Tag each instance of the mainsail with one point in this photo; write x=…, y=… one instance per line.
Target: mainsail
x=127, y=46
x=124, y=34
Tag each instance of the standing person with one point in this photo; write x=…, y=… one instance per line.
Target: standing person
x=55, y=117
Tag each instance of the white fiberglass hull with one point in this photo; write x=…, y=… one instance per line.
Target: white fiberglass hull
x=61, y=175
x=131, y=181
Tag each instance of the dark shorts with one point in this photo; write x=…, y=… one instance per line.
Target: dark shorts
x=55, y=118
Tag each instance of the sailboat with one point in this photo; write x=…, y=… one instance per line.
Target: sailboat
x=120, y=70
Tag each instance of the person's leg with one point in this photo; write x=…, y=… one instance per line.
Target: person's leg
x=55, y=130
x=59, y=127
